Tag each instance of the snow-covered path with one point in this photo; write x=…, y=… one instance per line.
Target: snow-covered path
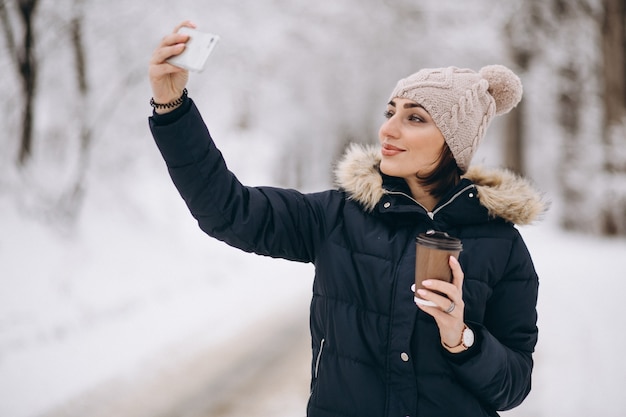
x=261, y=371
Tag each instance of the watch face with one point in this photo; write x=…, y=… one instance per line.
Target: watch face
x=468, y=337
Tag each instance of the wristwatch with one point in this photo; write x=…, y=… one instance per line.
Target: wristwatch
x=467, y=340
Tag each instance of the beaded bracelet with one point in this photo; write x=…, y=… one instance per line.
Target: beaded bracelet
x=171, y=104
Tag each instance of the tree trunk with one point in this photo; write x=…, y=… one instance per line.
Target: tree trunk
x=613, y=32
x=26, y=64
x=519, y=33
x=614, y=68
x=514, y=141
x=72, y=200
x=27, y=67
x=570, y=103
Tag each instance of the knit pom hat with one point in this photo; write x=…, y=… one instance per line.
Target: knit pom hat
x=462, y=102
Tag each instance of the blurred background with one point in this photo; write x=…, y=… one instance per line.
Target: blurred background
x=112, y=302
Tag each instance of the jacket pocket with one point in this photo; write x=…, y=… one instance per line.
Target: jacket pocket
x=319, y=358
x=316, y=370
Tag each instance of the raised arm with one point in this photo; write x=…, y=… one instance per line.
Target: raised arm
x=265, y=220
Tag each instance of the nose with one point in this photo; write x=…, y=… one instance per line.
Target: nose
x=389, y=129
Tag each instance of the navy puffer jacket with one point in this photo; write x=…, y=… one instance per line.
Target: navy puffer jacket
x=375, y=353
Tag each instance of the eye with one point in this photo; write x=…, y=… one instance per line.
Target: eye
x=416, y=118
x=388, y=114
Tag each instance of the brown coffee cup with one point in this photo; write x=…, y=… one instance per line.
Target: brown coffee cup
x=433, y=251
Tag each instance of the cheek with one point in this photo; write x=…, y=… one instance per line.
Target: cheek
x=438, y=140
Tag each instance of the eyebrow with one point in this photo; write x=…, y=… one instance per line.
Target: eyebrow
x=407, y=105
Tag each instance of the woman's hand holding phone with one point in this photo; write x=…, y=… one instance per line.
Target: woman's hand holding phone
x=166, y=79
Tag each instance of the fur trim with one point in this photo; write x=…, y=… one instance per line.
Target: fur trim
x=357, y=174
x=503, y=193
x=507, y=195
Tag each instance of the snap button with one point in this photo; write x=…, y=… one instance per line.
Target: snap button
x=387, y=204
x=404, y=356
x=471, y=195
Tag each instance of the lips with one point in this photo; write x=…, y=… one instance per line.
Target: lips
x=390, y=150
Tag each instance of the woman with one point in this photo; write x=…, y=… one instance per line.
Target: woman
x=375, y=351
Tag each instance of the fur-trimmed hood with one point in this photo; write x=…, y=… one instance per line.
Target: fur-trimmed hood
x=501, y=192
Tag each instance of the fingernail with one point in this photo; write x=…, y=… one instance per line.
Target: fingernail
x=427, y=283
x=422, y=292
x=453, y=259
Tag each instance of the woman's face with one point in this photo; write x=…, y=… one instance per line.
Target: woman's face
x=411, y=142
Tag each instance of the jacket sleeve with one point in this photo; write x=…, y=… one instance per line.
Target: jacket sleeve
x=499, y=370
x=265, y=220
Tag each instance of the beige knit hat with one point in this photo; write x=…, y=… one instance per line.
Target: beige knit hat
x=462, y=102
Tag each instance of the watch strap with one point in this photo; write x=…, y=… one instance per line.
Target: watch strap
x=458, y=348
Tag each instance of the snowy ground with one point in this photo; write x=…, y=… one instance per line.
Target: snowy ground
x=579, y=366
x=135, y=281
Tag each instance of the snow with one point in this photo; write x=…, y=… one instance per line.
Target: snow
x=132, y=284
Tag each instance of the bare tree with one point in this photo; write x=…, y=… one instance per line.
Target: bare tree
x=25, y=61
x=590, y=100
x=72, y=199
x=520, y=39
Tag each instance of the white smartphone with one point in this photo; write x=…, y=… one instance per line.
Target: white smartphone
x=197, y=50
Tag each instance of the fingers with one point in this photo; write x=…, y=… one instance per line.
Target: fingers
x=457, y=272
x=447, y=291
x=158, y=61
x=160, y=71
x=441, y=294
x=433, y=293
x=186, y=23
x=172, y=44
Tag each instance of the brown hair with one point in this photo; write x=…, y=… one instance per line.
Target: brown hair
x=444, y=176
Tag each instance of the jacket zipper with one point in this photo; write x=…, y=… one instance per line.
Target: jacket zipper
x=319, y=357
x=431, y=214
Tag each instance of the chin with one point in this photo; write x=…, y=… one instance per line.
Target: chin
x=388, y=169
